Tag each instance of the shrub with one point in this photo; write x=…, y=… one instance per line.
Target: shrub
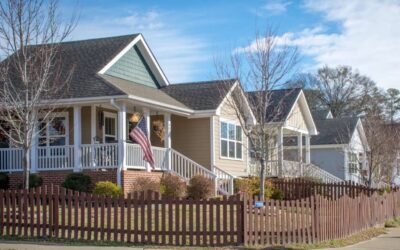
x=35, y=181
x=78, y=182
x=277, y=194
x=143, y=184
x=172, y=186
x=107, y=188
x=4, y=181
x=200, y=187
x=251, y=185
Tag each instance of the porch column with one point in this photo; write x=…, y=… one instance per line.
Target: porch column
x=77, y=138
x=308, y=149
x=167, y=138
x=93, y=123
x=33, y=151
x=279, y=140
x=146, y=115
x=121, y=142
x=300, y=152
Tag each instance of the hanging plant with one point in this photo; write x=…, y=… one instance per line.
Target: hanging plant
x=135, y=117
x=159, y=130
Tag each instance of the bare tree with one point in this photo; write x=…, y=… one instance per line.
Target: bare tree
x=32, y=77
x=265, y=65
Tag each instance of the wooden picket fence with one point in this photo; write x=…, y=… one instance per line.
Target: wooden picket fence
x=294, y=189
x=316, y=218
x=148, y=218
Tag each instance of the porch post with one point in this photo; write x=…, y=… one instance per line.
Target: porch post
x=167, y=138
x=93, y=134
x=280, y=151
x=146, y=115
x=77, y=139
x=121, y=140
x=300, y=151
x=33, y=151
x=308, y=149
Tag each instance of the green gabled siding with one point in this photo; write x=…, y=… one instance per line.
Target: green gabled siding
x=133, y=67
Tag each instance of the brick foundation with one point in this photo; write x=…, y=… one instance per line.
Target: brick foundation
x=58, y=177
x=129, y=177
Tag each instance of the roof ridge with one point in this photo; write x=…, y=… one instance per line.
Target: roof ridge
x=89, y=40
x=204, y=82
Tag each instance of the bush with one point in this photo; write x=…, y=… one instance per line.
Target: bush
x=78, y=182
x=35, y=181
x=251, y=185
x=172, y=186
x=4, y=181
x=143, y=184
x=107, y=188
x=277, y=194
x=200, y=187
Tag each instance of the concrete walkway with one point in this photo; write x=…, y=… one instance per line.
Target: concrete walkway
x=389, y=241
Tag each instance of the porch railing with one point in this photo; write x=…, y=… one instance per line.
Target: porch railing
x=55, y=158
x=186, y=168
x=224, y=181
x=11, y=159
x=272, y=168
x=134, y=157
x=99, y=155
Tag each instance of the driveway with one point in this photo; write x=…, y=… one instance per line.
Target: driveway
x=389, y=241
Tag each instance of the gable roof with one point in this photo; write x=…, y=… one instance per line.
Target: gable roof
x=282, y=98
x=335, y=131
x=206, y=95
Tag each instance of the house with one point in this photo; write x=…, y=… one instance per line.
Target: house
x=116, y=80
x=289, y=119
x=340, y=147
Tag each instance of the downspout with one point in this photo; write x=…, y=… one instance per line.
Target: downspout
x=121, y=144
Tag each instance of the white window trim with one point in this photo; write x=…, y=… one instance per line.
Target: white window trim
x=55, y=115
x=350, y=162
x=228, y=140
x=109, y=115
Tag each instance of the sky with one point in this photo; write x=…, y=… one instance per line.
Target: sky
x=187, y=36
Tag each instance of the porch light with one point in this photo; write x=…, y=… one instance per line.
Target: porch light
x=135, y=117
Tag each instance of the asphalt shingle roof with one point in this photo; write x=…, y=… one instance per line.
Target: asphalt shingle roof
x=334, y=131
x=200, y=95
x=282, y=100
x=85, y=58
x=320, y=114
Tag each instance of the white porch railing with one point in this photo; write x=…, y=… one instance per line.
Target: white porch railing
x=316, y=172
x=55, y=158
x=99, y=155
x=186, y=168
x=11, y=159
x=224, y=181
x=272, y=168
x=134, y=157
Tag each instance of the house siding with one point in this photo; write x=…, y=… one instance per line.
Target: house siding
x=296, y=118
x=86, y=125
x=330, y=159
x=133, y=67
x=191, y=137
x=232, y=166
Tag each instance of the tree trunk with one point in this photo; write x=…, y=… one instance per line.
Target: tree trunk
x=26, y=168
x=262, y=178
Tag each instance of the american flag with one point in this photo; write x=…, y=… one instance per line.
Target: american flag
x=139, y=134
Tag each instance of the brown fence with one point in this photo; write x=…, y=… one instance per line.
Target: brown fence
x=299, y=189
x=146, y=218
x=316, y=218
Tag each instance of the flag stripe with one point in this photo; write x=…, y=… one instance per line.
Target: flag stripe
x=139, y=135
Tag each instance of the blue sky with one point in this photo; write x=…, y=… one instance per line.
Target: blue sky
x=186, y=36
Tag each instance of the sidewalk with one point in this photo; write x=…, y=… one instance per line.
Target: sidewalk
x=389, y=241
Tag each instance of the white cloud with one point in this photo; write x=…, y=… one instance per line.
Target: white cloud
x=368, y=38
x=276, y=6
x=178, y=52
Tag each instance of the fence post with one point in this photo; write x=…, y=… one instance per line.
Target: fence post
x=244, y=219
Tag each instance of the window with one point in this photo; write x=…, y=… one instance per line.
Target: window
x=231, y=141
x=54, y=132
x=353, y=163
x=110, y=127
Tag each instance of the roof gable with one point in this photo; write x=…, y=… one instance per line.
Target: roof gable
x=335, y=131
x=132, y=67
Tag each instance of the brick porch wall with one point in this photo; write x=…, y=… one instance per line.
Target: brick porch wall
x=58, y=177
x=130, y=176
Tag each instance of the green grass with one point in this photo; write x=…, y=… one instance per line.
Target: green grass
x=393, y=223
x=351, y=240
